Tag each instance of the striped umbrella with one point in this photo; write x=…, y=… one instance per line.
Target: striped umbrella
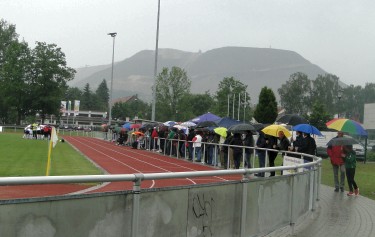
x=347, y=125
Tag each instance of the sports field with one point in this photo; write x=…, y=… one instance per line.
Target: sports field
x=27, y=157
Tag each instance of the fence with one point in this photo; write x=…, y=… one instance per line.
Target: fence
x=246, y=207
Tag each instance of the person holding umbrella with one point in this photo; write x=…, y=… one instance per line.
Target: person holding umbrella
x=335, y=154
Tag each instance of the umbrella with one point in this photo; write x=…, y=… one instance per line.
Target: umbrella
x=274, y=130
x=205, y=117
x=138, y=133
x=117, y=129
x=169, y=123
x=291, y=119
x=127, y=126
x=347, y=125
x=135, y=125
x=307, y=128
x=259, y=126
x=206, y=124
x=179, y=127
x=342, y=141
x=151, y=125
x=239, y=128
x=188, y=124
x=227, y=122
x=222, y=131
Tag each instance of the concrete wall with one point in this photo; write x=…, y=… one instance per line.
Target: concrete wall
x=200, y=210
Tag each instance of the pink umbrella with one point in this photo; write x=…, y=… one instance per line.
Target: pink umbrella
x=136, y=125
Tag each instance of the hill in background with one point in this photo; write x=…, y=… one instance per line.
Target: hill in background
x=255, y=67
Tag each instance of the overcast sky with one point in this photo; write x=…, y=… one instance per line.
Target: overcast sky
x=337, y=35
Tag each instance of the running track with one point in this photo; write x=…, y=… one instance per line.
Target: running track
x=117, y=160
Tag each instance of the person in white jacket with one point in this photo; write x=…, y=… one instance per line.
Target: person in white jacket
x=197, y=144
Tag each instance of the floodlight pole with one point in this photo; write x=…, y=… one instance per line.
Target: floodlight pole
x=155, y=66
x=113, y=35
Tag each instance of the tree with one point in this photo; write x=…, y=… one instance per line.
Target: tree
x=295, y=94
x=8, y=35
x=171, y=86
x=266, y=110
x=102, y=95
x=14, y=76
x=319, y=116
x=193, y=105
x=8, y=59
x=325, y=90
x=48, y=78
x=87, y=102
x=134, y=108
x=227, y=96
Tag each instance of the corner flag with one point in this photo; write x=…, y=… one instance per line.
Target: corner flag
x=53, y=141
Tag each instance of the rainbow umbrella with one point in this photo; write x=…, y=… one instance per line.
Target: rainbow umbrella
x=347, y=125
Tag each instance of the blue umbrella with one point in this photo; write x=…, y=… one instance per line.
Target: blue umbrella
x=307, y=128
x=127, y=126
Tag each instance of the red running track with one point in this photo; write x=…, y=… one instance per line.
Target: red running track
x=118, y=160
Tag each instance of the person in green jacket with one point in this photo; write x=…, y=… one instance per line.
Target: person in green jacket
x=350, y=165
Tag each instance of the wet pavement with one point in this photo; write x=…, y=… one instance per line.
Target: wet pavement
x=336, y=214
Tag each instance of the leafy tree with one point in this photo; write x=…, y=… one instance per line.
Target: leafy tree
x=325, y=90
x=48, y=78
x=14, y=80
x=351, y=104
x=8, y=39
x=193, y=105
x=295, y=94
x=227, y=95
x=134, y=108
x=319, y=116
x=8, y=36
x=102, y=95
x=266, y=110
x=369, y=93
x=171, y=86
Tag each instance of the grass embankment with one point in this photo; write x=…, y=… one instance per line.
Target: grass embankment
x=28, y=157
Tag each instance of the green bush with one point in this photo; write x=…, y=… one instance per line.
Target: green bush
x=370, y=156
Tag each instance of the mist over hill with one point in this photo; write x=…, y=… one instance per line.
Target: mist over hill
x=255, y=67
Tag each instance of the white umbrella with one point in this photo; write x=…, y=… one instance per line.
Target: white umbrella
x=188, y=124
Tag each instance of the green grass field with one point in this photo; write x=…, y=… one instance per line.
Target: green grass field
x=27, y=157
x=24, y=157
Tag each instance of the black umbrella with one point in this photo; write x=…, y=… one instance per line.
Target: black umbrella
x=291, y=119
x=342, y=141
x=259, y=126
x=242, y=127
x=205, y=124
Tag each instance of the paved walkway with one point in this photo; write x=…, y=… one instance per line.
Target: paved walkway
x=336, y=215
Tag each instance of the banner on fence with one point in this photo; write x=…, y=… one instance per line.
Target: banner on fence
x=290, y=161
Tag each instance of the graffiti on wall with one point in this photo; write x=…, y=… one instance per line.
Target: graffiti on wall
x=202, y=209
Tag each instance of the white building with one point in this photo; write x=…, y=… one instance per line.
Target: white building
x=369, y=116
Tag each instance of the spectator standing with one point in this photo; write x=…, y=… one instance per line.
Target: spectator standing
x=154, y=141
x=271, y=143
x=261, y=143
x=308, y=146
x=248, y=141
x=225, y=150
x=197, y=144
x=335, y=154
x=237, y=151
x=350, y=165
